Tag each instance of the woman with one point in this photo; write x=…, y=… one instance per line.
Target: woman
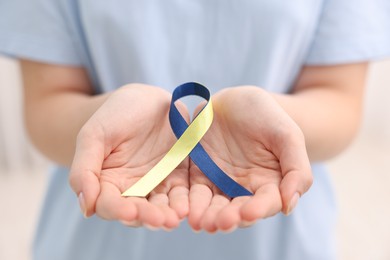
x=310, y=58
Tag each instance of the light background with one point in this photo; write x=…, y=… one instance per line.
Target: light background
x=361, y=175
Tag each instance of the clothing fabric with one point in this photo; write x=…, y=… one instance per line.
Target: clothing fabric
x=218, y=43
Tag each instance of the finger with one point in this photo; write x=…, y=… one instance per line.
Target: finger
x=110, y=205
x=291, y=190
x=264, y=203
x=297, y=176
x=150, y=215
x=89, y=191
x=179, y=201
x=161, y=201
x=208, y=221
x=229, y=217
x=200, y=198
x=85, y=170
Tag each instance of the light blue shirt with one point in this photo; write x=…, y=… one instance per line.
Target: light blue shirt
x=219, y=43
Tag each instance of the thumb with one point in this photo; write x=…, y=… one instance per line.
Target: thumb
x=86, y=168
x=297, y=176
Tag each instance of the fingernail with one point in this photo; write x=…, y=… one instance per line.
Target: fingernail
x=126, y=223
x=246, y=223
x=230, y=230
x=82, y=205
x=293, y=203
x=197, y=231
x=150, y=227
x=167, y=229
x=133, y=223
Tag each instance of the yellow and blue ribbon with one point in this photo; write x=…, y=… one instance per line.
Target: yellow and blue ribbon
x=188, y=143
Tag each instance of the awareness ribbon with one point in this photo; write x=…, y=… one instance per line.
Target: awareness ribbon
x=188, y=143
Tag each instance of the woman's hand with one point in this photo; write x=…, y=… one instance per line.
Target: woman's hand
x=121, y=142
x=256, y=143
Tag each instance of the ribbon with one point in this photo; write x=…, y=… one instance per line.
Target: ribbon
x=188, y=143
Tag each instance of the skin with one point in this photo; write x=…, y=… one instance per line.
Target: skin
x=266, y=154
x=117, y=146
x=264, y=141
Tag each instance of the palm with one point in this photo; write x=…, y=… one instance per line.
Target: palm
x=136, y=135
x=246, y=140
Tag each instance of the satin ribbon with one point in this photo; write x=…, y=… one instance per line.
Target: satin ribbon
x=188, y=143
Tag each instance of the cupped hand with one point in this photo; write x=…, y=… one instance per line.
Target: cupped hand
x=121, y=142
x=256, y=143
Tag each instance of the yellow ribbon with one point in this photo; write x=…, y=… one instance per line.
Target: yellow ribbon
x=179, y=151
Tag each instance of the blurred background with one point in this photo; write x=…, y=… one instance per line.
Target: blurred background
x=361, y=174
